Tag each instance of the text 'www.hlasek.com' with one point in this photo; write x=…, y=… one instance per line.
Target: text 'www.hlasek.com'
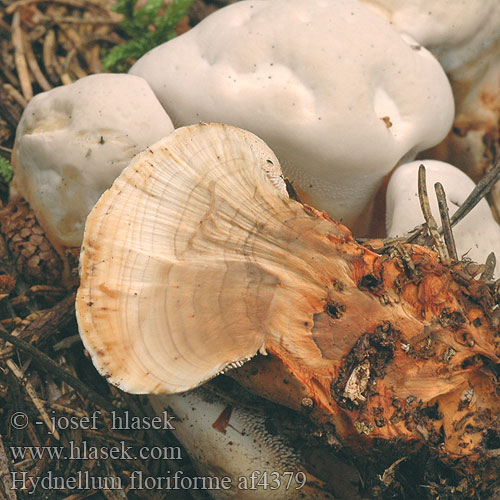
x=126, y=449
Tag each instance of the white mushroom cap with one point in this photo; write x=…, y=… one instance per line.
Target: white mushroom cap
x=455, y=31
x=465, y=37
x=231, y=441
x=334, y=90
x=73, y=141
x=475, y=236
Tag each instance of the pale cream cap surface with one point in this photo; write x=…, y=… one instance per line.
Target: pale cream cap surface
x=476, y=235
x=73, y=141
x=336, y=92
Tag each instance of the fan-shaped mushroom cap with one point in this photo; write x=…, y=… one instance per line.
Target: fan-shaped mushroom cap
x=194, y=261
x=333, y=89
x=145, y=265
x=476, y=235
x=73, y=141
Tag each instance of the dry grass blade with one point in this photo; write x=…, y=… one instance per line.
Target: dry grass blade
x=429, y=219
x=67, y=410
x=445, y=221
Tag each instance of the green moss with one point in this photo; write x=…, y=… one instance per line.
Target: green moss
x=146, y=28
x=5, y=171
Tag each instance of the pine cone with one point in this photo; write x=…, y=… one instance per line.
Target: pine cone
x=35, y=258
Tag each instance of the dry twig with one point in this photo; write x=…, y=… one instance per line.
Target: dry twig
x=34, y=67
x=445, y=221
x=15, y=94
x=30, y=391
x=429, y=219
x=482, y=188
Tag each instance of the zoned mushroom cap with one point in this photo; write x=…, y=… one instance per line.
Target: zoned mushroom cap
x=163, y=260
x=337, y=93
x=73, y=141
x=476, y=235
x=195, y=260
